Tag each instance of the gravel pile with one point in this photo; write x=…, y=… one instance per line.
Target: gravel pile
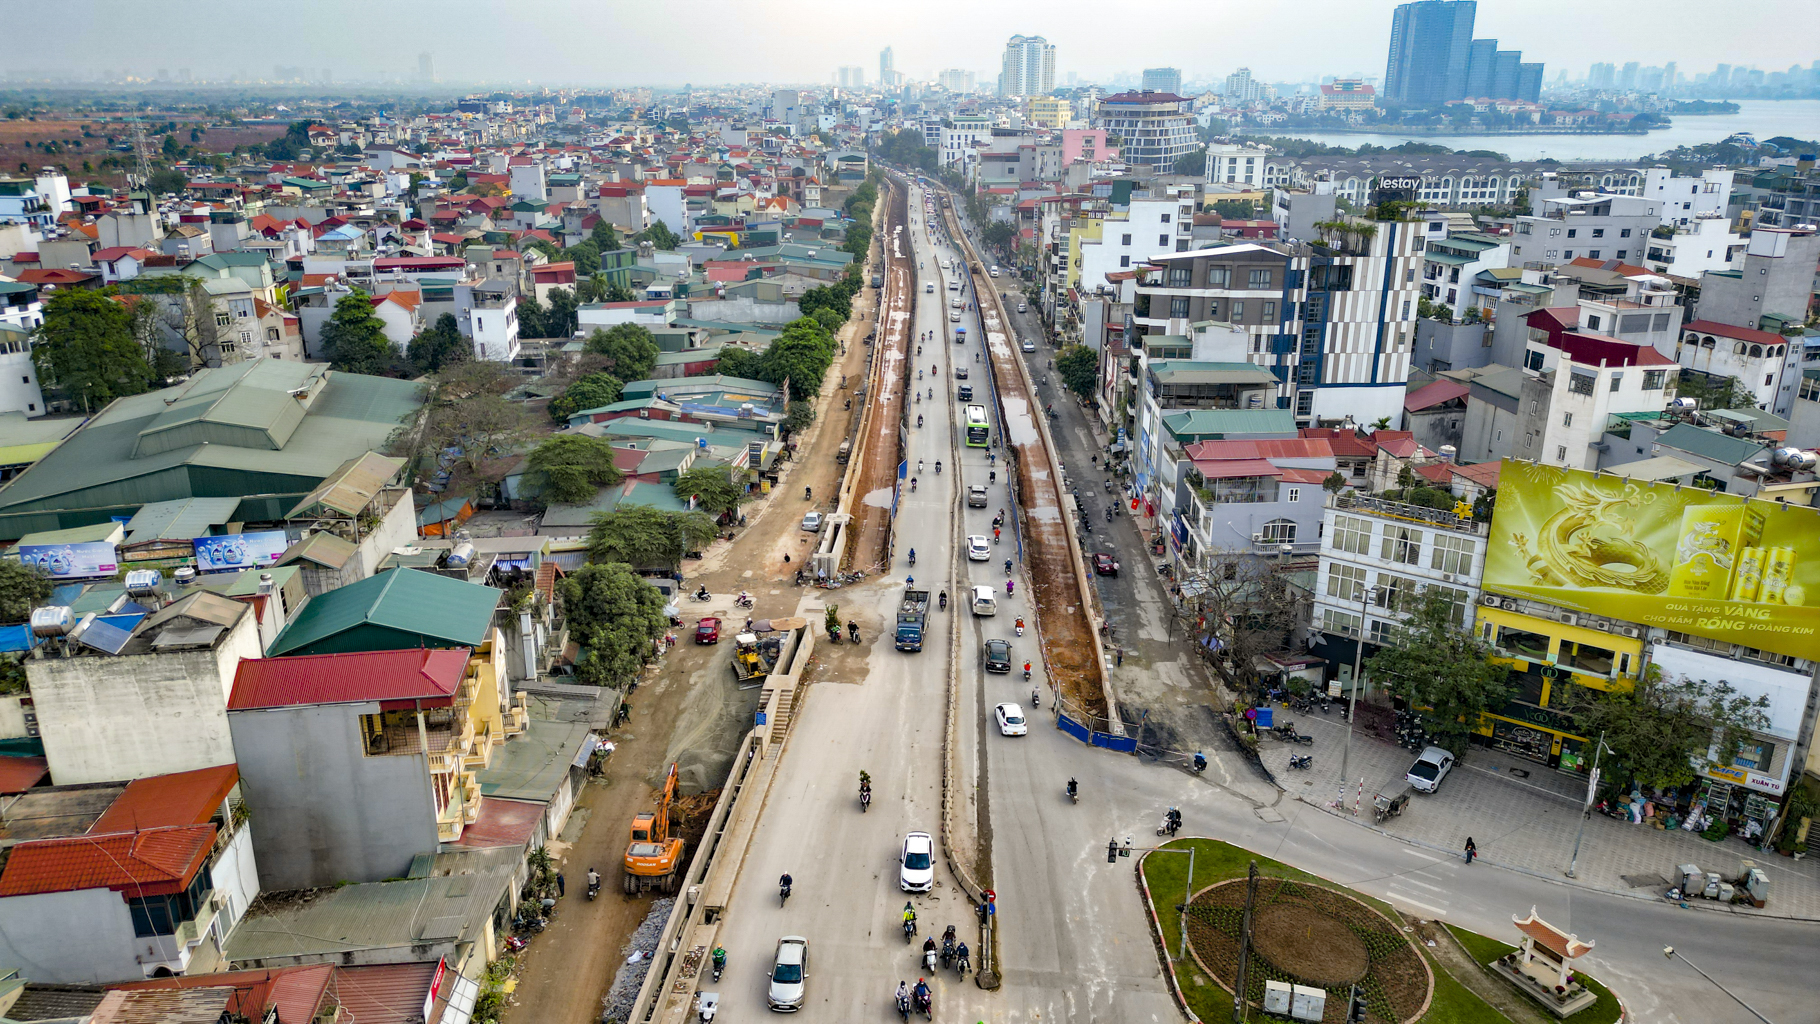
x=617, y=1007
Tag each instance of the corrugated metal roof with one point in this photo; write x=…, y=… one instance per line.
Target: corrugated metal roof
x=503, y=822
x=180, y=1006
x=296, y=993
x=151, y=862
x=180, y=798
x=437, y=609
x=1710, y=444
x=430, y=674
x=352, y=485
x=1193, y=424
x=182, y=519
x=18, y=774
x=531, y=767
x=322, y=548
x=201, y=606
x=386, y=993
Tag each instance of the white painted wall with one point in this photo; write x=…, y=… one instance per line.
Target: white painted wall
x=70, y=938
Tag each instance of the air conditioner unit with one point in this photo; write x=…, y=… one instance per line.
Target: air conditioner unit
x=1510, y=604
x=1257, y=538
x=1569, y=619
x=1630, y=631
x=218, y=899
x=1448, y=576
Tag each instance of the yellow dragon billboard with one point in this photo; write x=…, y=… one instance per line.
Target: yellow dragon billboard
x=1681, y=558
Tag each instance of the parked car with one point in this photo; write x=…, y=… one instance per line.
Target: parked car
x=1430, y=768
x=1010, y=720
x=916, y=872
x=994, y=272
x=977, y=548
x=789, y=969
x=976, y=496
x=813, y=522
x=707, y=631
x=997, y=655
x=1104, y=564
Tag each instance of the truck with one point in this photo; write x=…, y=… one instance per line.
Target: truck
x=912, y=616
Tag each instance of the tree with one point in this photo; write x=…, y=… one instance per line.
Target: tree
x=800, y=356
x=167, y=179
x=22, y=588
x=1443, y=671
x=647, y=537
x=631, y=348
x=439, y=346
x=1080, y=370
x=561, y=321
x=798, y=416
x=572, y=467
x=86, y=349
x=616, y=616
x=712, y=488
x=1335, y=483
x=147, y=321
x=740, y=362
x=1658, y=726
x=1235, y=209
x=999, y=234
x=1714, y=392
x=586, y=256
x=660, y=236
x=1248, y=608
x=828, y=318
x=832, y=298
x=604, y=238
x=353, y=340
x=589, y=392
x=1193, y=162
x=531, y=317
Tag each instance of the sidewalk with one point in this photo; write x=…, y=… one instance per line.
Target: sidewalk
x=1523, y=816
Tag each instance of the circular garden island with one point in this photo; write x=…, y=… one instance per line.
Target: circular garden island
x=1309, y=935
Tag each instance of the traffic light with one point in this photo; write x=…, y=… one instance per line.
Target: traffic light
x=1355, y=1006
x=1112, y=851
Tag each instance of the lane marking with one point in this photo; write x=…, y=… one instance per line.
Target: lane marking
x=1425, y=885
x=1419, y=905
x=1413, y=852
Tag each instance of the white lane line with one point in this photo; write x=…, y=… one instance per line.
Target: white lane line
x=1425, y=885
x=1400, y=898
x=1413, y=852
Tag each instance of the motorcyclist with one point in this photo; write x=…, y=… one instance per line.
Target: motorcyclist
x=593, y=879
x=921, y=993
x=785, y=881
x=919, y=375
x=903, y=996
x=961, y=957
x=944, y=600
x=1074, y=788
x=1007, y=566
x=919, y=465
x=909, y=914
x=702, y=594
x=929, y=944
x=919, y=419
x=1010, y=587
x=912, y=556
x=938, y=467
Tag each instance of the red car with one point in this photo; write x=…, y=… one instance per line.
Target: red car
x=707, y=631
x=1105, y=565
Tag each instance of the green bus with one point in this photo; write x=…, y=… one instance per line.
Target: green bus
x=979, y=428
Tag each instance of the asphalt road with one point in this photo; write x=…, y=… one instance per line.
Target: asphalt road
x=1074, y=942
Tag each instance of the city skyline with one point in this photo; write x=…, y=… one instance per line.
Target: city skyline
x=577, y=42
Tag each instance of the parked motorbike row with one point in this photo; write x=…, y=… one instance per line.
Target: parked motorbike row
x=1410, y=733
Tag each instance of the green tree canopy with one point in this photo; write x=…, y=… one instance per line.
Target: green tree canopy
x=801, y=356
x=22, y=588
x=439, y=345
x=828, y=318
x=660, y=236
x=999, y=234
x=630, y=347
x=168, y=180
x=586, y=256
x=739, y=362
x=798, y=416
x=616, y=616
x=1080, y=370
x=1443, y=671
x=572, y=467
x=604, y=238
x=647, y=537
x=712, y=487
x=590, y=392
x=1193, y=162
x=86, y=348
x=834, y=298
x=1660, y=725
x=561, y=320
x=353, y=339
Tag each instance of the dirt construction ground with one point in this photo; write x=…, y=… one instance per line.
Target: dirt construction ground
x=687, y=710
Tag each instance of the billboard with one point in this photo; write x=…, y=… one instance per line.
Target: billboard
x=239, y=550
x=72, y=561
x=1679, y=558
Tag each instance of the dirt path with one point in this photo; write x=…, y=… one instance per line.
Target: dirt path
x=871, y=536
x=687, y=710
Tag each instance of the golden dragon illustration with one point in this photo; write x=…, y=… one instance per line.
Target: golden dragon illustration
x=1588, y=543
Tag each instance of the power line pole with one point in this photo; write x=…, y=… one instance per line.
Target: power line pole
x=1240, y=1007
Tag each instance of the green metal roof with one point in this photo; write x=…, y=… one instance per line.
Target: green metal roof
x=1203, y=424
x=182, y=519
x=1448, y=258
x=1192, y=371
x=532, y=766
x=435, y=610
x=1709, y=444
x=75, y=535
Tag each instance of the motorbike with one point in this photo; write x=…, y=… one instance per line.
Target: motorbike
x=947, y=953
x=926, y=1004
x=909, y=930
x=1109, y=515
x=702, y=595
x=1074, y=791
x=929, y=960
x=865, y=800
x=808, y=494
x=853, y=632
x=593, y=890
x=783, y=895
x=1200, y=762
x=720, y=961
x=1301, y=761
x=834, y=636
x=1020, y=629
x=903, y=1007
x=743, y=601
x=961, y=963
x=1026, y=675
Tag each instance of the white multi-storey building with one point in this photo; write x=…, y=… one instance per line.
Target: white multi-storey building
x=1235, y=165
x=1684, y=200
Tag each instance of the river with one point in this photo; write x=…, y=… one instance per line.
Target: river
x=1763, y=118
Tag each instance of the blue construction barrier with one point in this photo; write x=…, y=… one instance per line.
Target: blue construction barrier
x=1073, y=728
x=1121, y=744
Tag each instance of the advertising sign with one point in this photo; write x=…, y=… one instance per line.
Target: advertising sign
x=1681, y=558
x=1396, y=188
x=72, y=561
x=239, y=550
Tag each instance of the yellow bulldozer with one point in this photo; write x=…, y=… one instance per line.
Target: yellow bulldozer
x=654, y=857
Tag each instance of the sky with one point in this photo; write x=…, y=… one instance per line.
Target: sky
x=641, y=42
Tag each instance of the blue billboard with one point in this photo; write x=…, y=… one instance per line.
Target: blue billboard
x=236, y=551
x=72, y=561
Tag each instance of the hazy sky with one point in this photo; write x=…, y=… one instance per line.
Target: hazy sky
x=630, y=42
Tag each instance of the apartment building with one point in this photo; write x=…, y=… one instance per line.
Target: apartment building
x=1773, y=277
x=1334, y=323
x=960, y=142
x=1687, y=199
x=1451, y=265
x=1236, y=165
x=1706, y=243
x=1160, y=221
x=1170, y=385
x=1156, y=129
x=1584, y=225
x=1250, y=498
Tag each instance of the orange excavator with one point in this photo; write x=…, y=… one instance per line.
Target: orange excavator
x=653, y=857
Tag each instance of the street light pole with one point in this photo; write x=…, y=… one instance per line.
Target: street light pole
x=1366, y=596
x=1669, y=951
x=1592, y=788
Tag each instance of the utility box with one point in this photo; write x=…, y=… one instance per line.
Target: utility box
x=1277, y=996
x=1308, y=1003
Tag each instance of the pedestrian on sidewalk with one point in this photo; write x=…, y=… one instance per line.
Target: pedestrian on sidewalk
x=560, y=885
x=1121, y=658
x=1472, y=850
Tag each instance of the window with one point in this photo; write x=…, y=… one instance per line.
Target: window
x=1124, y=239
x=222, y=319
x=1567, y=254
x=1165, y=218
x=1653, y=379
x=1213, y=308
x=1181, y=277
x=1219, y=277
x=1178, y=307
x=1260, y=279
x=1598, y=232
x=1462, y=608
x=1270, y=312
x=1401, y=544
x=1279, y=531
x=1162, y=239
x=246, y=337
x=1238, y=309
x=1571, y=232
x=271, y=334
x=1405, y=313
x=1453, y=554
x=1382, y=633
x=1346, y=582
x=1560, y=453
x=1593, y=254
x=1339, y=623
x=1567, y=419
x=1124, y=261
x=1292, y=494
x=1581, y=383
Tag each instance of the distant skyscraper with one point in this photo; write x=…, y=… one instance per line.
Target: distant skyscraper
x=426, y=66
x=1627, y=78
x=1429, y=46
x=1602, y=76
x=1481, y=62
x=850, y=77
x=1163, y=80
x=1242, y=88
x=887, y=68
x=1028, y=68
x=955, y=80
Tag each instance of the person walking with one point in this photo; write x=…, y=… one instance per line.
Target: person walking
x=560, y=886
x=1120, y=655
x=1472, y=850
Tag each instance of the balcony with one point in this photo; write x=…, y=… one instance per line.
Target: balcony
x=1412, y=513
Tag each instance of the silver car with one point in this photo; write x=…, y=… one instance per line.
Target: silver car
x=1430, y=768
x=789, y=968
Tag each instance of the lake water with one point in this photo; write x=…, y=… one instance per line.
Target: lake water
x=1763, y=118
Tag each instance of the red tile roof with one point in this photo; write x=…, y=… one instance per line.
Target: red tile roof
x=55, y=275
x=1346, y=444
x=390, y=993
x=18, y=774
x=1434, y=393
x=1230, y=469
x=296, y=993
x=1724, y=331
x=421, y=675
x=1621, y=269
x=165, y=801
x=1287, y=448
x=111, y=254
x=1437, y=472
x=154, y=862
x=1485, y=474
x=1399, y=443
x=503, y=822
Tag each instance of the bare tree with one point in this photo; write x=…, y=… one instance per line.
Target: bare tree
x=1241, y=607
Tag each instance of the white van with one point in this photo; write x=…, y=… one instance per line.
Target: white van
x=985, y=601
x=929, y=289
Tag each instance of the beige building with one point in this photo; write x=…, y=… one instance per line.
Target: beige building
x=1050, y=111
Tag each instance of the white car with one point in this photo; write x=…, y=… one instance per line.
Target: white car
x=788, y=969
x=994, y=272
x=917, y=863
x=1430, y=768
x=1010, y=720
x=929, y=289
x=954, y=316
x=1029, y=346
x=977, y=548
x=813, y=522
x=1023, y=308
